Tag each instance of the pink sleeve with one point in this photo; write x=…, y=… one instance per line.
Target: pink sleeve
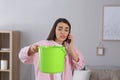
x=80, y=64
x=23, y=55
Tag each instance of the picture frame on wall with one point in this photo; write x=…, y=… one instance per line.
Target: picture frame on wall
x=111, y=22
x=100, y=51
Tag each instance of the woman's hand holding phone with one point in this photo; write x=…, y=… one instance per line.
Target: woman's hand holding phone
x=72, y=50
x=70, y=40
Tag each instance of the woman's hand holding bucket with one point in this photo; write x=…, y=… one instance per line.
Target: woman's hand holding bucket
x=32, y=50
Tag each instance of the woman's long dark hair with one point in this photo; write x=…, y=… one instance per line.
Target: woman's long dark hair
x=52, y=35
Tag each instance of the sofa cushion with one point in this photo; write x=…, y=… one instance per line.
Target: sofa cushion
x=105, y=74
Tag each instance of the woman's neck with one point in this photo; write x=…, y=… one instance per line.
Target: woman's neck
x=59, y=42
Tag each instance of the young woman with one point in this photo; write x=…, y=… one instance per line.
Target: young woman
x=59, y=36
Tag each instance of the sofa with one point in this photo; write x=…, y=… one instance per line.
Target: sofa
x=105, y=74
x=97, y=73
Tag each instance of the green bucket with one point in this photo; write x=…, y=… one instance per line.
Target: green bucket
x=51, y=59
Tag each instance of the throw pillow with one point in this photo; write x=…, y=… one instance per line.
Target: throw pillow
x=81, y=75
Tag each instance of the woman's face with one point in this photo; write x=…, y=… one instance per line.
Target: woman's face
x=62, y=31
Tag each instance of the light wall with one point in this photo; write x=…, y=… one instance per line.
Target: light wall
x=34, y=18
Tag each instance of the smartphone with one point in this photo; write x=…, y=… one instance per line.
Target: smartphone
x=68, y=40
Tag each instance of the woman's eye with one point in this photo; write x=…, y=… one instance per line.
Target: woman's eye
x=66, y=30
x=59, y=29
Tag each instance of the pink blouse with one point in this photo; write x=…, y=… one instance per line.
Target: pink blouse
x=70, y=64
